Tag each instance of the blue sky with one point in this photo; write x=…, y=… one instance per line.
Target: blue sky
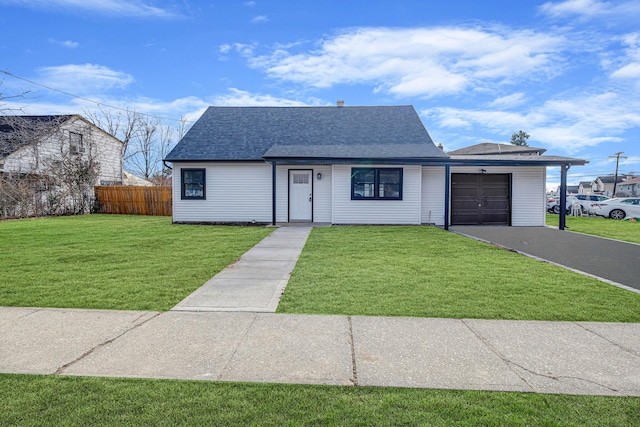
x=566, y=72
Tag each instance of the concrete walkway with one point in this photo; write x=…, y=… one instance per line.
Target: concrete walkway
x=256, y=281
x=527, y=356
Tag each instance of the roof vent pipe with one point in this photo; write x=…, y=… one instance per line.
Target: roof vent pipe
x=340, y=103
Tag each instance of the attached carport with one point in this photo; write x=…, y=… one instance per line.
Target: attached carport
x=487, y=200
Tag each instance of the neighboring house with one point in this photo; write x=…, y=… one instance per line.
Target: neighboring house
x=134, y=180
x=585, y=187
x=606, y=184
x=488, y=148
x=629, y=188
x=60, y=158
x=346, y=165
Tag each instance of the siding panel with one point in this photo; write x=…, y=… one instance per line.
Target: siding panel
x=235, y=192
x=433, y=181
x=405, y=211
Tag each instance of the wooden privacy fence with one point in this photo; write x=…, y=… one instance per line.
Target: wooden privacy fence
x=128, y=200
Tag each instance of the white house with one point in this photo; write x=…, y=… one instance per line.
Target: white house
x=43, y=151
x=347, y=165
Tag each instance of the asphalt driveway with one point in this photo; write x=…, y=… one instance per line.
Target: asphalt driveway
x=608, y=259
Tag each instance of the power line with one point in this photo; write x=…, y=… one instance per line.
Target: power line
x=93, y=101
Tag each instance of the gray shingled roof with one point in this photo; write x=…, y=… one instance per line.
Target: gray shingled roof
x=516, y=160
x=488, y=148
x=14, y=129
x=251, y=133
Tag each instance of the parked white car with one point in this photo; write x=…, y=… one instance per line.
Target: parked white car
x=584, y=200
x=618, y=208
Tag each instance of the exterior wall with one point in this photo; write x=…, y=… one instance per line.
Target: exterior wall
x=433, y=182
x=528, y=200
x=235, y=192
x=405, y=211
x=98, y=145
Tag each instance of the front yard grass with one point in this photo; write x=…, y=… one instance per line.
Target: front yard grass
x=113, y=261
x=53, y=400
x=428, y=272
x=628, y=231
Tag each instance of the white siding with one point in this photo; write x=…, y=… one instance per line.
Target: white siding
x=528, y=198
x=98, y=146
x=433, y=182
x=405, y=211
x=235, y=192
x=322, y=194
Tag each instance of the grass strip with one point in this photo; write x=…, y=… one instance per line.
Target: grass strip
x=627, y=231
x=28, y=400
x=428, y=272
x=113, y=261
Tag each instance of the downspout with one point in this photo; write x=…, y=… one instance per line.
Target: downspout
x=273, y=193
x=447, y=196
x=563, y=196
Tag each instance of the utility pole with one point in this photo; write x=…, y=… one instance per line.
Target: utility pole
x=615, y=177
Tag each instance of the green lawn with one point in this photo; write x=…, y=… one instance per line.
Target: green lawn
x=428, y=272
x=112, y=261
x=628, y=231
x=50, y=400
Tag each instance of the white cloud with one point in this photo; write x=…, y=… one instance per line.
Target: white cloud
x=591, y=9
x=574, y=7
x=629, y=71
x=260, y=19
x=420, y=61
x=508, y=101
x=250, y=3
x=112, y=7
x=630, y=59
x=568, y=124
x=66, y=43
x=83, y=78
x=240, y=98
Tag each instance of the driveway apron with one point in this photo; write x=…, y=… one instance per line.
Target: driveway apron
x=256, y=281
x=611, y=260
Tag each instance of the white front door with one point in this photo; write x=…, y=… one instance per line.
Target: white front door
x=300, y=195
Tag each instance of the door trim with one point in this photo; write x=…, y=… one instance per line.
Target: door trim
x=289, y=194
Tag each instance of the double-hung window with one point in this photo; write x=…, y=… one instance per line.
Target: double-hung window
x=193, y=184
x=376, y=183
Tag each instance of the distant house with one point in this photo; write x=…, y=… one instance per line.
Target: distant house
x=629, y=188
x=489, y=148
x=347, y=165
x=585, y=187
x=605, y=184
x=50, y=164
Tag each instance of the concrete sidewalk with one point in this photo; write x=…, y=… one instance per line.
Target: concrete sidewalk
x=528, y=356
x=256, y=281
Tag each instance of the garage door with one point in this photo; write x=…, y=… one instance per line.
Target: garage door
x=480, y=199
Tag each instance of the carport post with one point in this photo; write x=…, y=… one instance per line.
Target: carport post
x=447, y=184
x=273, y=193
x=563, y=196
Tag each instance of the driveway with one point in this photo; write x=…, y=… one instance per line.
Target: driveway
x=608, y=259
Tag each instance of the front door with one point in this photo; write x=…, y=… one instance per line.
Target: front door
x=480, y=199
x=300, y=195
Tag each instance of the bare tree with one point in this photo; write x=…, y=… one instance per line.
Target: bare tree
x=45, y=174
x=147, y=140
